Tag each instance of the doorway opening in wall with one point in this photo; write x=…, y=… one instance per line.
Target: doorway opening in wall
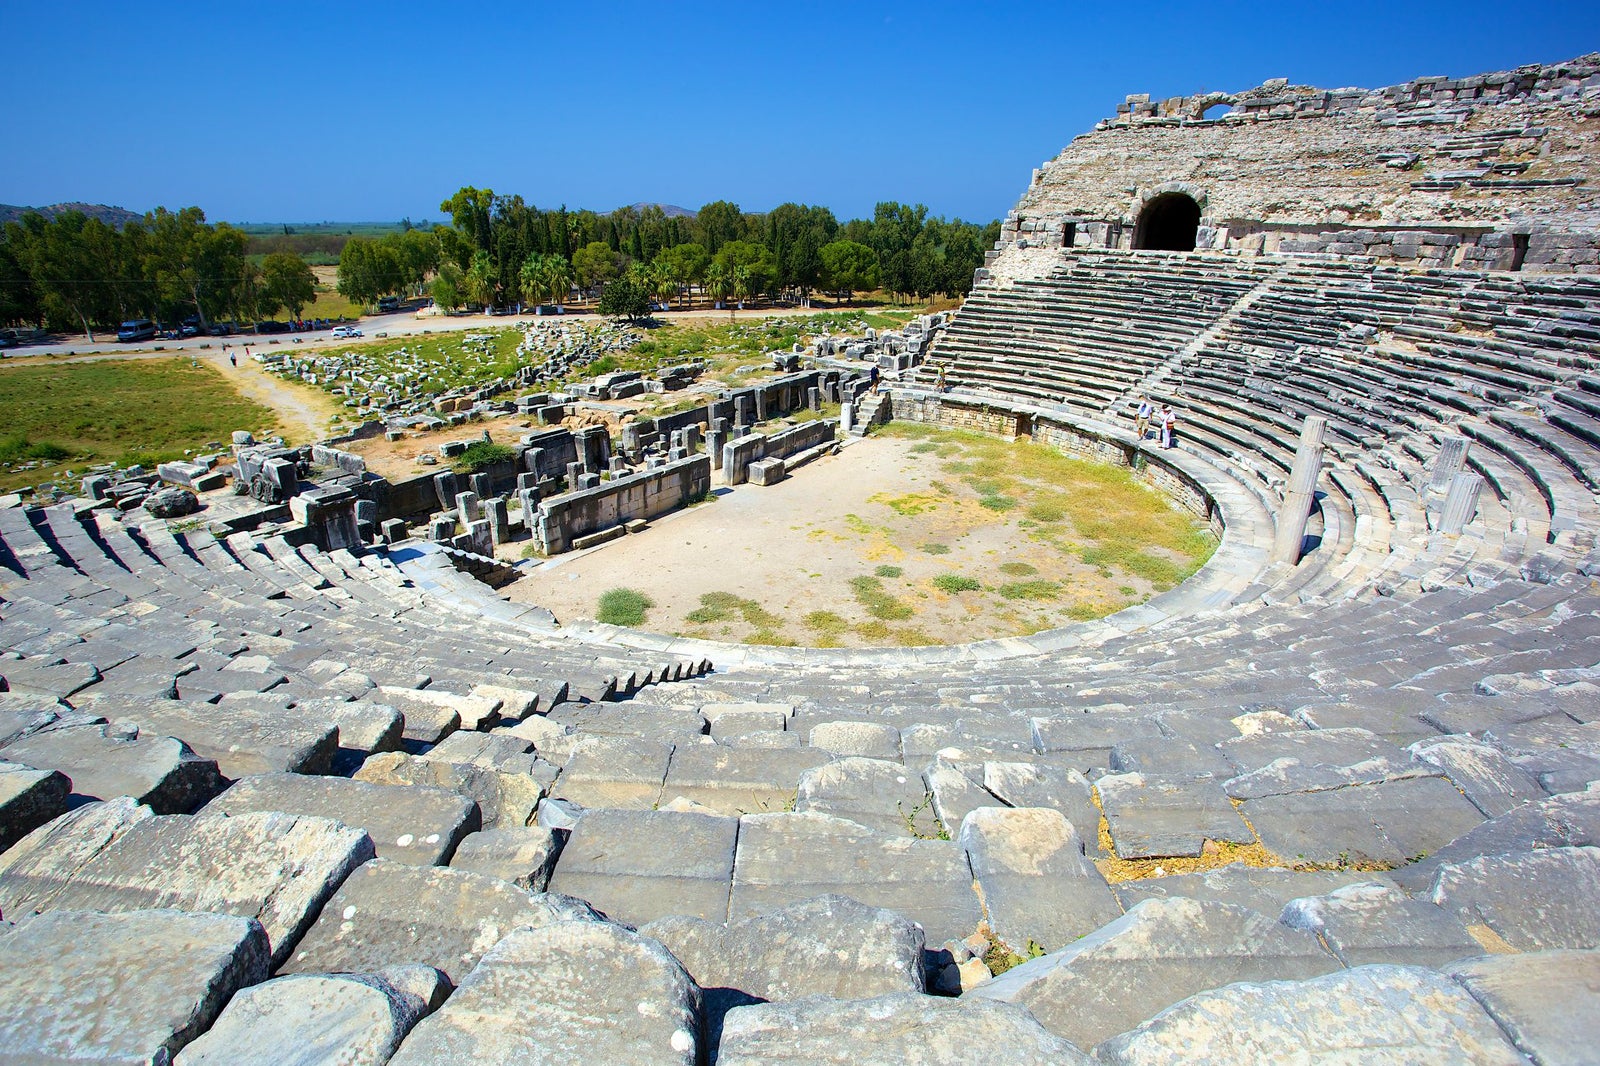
x=1168, y=223
x=1519, y=250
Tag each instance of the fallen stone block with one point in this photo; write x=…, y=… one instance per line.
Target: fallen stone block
x=106, y=761
x=1372, y=1014
x=350, y=1018
x=955, y=793
x=787, y=858
x=1370, y=923
x=637, y=866
x=28, y=799
x=614, y=772
x=1038, y=888
x=503, y=799
x=523, y=855
x=1533, y=900
x=417, y=825
x=391, y=914
x=429, y=716
x=889, y=1031
x=1158, y=953
x=1022, y=784
x=1547, y=1002
x=131, y=987
x=1167, y=816
x=239, y=739
x=275, y=868
x=602, y=994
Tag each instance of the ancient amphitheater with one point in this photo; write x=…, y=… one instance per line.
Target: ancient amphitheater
x=1336, y=799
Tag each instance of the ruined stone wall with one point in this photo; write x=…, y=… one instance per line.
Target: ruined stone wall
x=646, y=494
x=1434, y=172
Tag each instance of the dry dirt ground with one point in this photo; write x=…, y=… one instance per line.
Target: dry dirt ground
x=778, y=562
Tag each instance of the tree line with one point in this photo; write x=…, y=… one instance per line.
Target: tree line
x=499, y=250
x=74, y=272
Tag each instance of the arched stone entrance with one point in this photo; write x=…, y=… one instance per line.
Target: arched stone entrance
x=1168, y=223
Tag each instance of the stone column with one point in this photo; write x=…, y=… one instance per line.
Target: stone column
x=499, y=520
x=441, y=528
x=1452, y=457
x=715, y=439
x=1301, y=493
x=482, y=485
x=1460, y=504
x=847, y=417
x=467, y=507
x=444, y=487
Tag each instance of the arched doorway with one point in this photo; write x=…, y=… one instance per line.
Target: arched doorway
x=1168, y=223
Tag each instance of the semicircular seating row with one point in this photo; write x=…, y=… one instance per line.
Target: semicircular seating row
x=387, y=765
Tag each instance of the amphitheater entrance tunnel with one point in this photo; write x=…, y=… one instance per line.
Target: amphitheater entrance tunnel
x=1168, y=223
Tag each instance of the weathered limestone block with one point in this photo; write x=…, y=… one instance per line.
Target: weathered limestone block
x=515, y=704
x=305, y=1020
x=417, y=825
x=1311, y=747
x=955, y=794
x=1489, y=778
x=503, y=799
x=1264, y=889
x=1369, y=923
x=1547, y=1002
x=364, y=727
x=391, y=914
x=1388, y=822
x=874, y=793
x=1022, y=784
x=1162, y=816
x=1561, y=821
x=240, y=739
x=889, y=1031
x=28, y=799
x=1533, y=900
x=1038, y=888
x=1389, y=1014
x=429, y=716
x=785, y=858
x=868, y=740
x=614, y=772
x=735, y=719
x=120, y=988
x=637, y=866
x=828, y=946
x=107, y=761
x=523, y=855
x=566, y=993
x=738, y=781
x=1155, y=955
x=275, y=868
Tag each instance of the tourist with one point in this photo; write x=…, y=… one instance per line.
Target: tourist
x=942, y=386
x=1141, y=422
x=1169, y=423
x=233, y=359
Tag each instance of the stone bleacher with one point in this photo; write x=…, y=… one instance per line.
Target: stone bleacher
x=255, y=796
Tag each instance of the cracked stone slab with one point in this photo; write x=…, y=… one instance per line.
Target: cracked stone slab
x=1390, y=822
x=120, y=988
x=348, y=1018
x=616, y=772
x=637, y=866
x=1561, y=821
x=1371, y=923
x=1547, y=1002
x=275, y=868
x=240, y=739
x=565, y=993
x=786, y=858
x=1264, y=889
x=1038, y=888
x=737, y=781
x=1090, y=737
x=504, y=799
x=868, y=740
x=1158, y=953
x=1312, y=747
x=105, y=761
x=391, y=914
x=1167, y=816
x=888, y=1031
x=1020, y=784
x=418, y=825
x=432, y=714
x=875, y=793
x=1483, y=772
x=1380, y=1014
x=523, y=855
x=1533, y=900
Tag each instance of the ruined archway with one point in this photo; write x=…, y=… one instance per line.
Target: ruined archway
x=1168, y=223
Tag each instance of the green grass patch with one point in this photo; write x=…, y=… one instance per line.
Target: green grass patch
x=723, y=606
x=879, y=604
x=1030, y=590
x=996, y=502
x=909, y=505
x=117, y=410
x=1018, y=569
x=770, y=637
x=888, y=571
x=826, y=623
x=924, y=448
x=623, y=607
x=935, y=548
x=953, y=583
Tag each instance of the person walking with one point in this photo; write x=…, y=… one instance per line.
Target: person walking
x=1169, y=424
x=1141, y=422
x=941, y=378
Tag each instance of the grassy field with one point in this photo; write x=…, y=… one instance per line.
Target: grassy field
x=59, y=420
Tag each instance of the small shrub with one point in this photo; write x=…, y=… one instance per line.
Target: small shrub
x=1018, y=569
x=623, y=607
x=481, y=455
x=825, y=622
x=936, y=548
x=956, y=583
x=1031, y=590
x=997, y=502
x=1046, y=512
x=888, y=571
x=714, y=607
x=923, y=448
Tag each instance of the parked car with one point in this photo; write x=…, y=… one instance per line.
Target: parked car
x=189, y=327
x=223, y=329
x=389, y=303
x=342, y=332
x=137, y=329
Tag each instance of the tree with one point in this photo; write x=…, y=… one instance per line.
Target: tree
x=849, y=267
x=471, y=211
x=64, y=256
x=446, y=286
x=625, y=298
x=286, y=281
x=195, y=263
x=367, y=270
x=757, y=262
x=719, y=283
x=557, y=278
x=596, y=264
x=685, y=264
x=480, y=281
x=719, y=223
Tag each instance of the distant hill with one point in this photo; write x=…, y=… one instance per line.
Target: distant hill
x=111, y=216
x=670, y=210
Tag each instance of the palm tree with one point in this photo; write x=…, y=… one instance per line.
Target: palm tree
x=743, y=289
x=663, y=285
x=557, y=274
x=719, y=283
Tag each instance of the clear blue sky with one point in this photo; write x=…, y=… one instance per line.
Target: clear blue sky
x=302, y=112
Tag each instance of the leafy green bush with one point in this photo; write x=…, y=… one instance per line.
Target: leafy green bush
x=481, y=455
x=996, y=502
x=888, y=571
x=623, y=607
x=1031, y=590
x=956, y=583
x=1018, y=569
x=935, y=548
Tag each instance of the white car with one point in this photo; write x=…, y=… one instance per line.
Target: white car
x=342, y=332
